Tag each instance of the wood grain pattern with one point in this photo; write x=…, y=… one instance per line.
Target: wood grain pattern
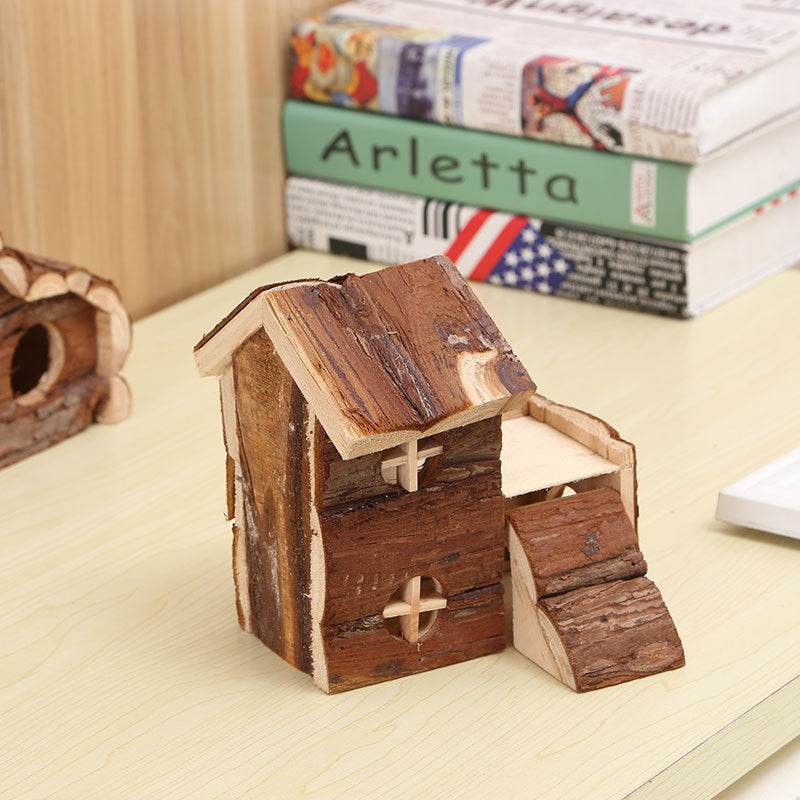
x=456, y=545
x=75, y=394
x=578, y=541
x=468, y=451
x=376, y=358
x=119, y=639
x=270, y=414
x=614, y=632
x=582, y=609
x=533, y=634
x=349, y=482
x=141, y=139
x=405, y=350
x=53, y=343
x=373, y=536
x=310, y=541
x=117, y=405
x=74, y=319
x=537, y=456
x=34, y=278
x=67, y=411
x=600, y=437
x=361, y=652
x=450, y=529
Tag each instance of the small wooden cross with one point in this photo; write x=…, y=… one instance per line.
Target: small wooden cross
x=401, y=464
x=412, y=605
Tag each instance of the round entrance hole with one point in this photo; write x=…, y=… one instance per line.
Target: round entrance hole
x=37, y=362
x=413, y=609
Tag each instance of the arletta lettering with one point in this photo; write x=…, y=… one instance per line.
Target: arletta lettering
x=447, y=168
x=341, y=144
x=443, y=164
x=562, y=188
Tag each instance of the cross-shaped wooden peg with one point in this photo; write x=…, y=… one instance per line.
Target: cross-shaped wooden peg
x=413, y=603
x=401, y=464
x=407, y=471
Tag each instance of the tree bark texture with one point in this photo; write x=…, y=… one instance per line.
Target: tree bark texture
x=70, y=405
x=578, y=541
x=615, y=632
x=273, y=460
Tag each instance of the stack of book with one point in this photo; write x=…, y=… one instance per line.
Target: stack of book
x=638, y=154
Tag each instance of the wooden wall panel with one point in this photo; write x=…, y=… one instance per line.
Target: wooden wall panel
x=141, y=138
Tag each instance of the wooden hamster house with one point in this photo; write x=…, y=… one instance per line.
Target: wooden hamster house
x=64, y=336
x=378, y=430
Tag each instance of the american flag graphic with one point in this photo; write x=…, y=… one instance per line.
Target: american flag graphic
x=509, y=250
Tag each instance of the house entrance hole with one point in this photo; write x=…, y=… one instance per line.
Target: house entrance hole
x=37, y=362
x=412, y=610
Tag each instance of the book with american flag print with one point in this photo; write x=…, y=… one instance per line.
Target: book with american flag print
x=548, y=258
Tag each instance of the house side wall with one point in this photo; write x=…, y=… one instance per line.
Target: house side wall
x=272, y=507
x=376, y=536
x=72, y=402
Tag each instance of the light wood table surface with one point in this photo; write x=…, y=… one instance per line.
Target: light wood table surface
x=124, y=673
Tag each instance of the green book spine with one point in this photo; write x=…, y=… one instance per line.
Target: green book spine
x=507, y=173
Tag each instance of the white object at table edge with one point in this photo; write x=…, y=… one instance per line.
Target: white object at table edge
x=767, y=499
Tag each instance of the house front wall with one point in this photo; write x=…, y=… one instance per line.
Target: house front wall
x=376, y=537
x=321, y=545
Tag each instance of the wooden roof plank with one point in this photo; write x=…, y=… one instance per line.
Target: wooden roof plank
x=383, y=358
